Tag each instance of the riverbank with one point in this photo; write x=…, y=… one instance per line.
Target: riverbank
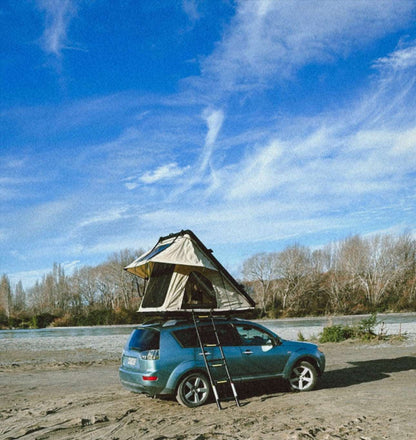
x=70, y=390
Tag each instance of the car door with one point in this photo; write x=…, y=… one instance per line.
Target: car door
x=229, y=341
x=261, y=354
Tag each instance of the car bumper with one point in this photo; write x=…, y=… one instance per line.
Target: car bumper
x=134, y=381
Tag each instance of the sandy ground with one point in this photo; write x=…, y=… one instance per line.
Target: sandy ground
x=367, y=392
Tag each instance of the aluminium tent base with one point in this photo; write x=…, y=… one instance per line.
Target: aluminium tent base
x=186, y=315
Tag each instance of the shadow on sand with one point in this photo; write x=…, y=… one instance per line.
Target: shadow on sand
x=366, y=371
x=359, y=372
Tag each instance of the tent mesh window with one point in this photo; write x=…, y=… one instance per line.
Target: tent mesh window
x=158, y=285
x=199, y=292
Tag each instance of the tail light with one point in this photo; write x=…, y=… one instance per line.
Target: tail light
x=150, y=355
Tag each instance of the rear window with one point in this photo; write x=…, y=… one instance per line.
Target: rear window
x=144, y=339
x=188, y=338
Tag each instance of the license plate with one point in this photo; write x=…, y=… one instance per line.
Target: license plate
x=130, y=361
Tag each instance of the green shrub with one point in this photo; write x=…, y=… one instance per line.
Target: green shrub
x=336, y=333
x=42, y=320
x=366, y=328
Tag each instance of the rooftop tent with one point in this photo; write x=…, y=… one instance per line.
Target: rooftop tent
x=183, y=275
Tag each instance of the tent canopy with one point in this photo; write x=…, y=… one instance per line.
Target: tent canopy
x=183, y=275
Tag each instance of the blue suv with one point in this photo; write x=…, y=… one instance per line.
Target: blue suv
x=165, y=358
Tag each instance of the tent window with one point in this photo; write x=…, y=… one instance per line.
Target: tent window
x=158, y=285
x=199, y=292
x=153, y=252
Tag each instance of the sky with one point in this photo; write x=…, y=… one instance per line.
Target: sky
x=256, y=124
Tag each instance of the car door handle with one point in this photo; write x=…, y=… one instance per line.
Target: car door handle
x=247, y=352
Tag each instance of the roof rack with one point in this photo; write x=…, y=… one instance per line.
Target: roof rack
x=185, y=315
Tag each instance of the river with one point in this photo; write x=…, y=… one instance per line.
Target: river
x=288, y=328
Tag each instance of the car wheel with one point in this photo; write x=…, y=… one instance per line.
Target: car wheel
x=193, y=390
x=303, y=377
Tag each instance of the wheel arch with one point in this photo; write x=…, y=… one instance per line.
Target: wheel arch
x=312, y=361
x=298, y=360
x=188, y=372
x=180, y=372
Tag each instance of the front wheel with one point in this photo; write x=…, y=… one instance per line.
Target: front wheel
x=303, y=377
x=193, y=390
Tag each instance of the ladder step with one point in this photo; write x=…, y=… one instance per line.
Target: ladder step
x=222, y=381
x=217, y=365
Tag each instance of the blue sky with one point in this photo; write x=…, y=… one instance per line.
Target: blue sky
x=257, y=124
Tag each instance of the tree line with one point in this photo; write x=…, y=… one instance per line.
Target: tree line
x=353, y=276
x=91, y=295
x=356, y=275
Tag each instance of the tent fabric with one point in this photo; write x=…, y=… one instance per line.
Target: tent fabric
x=173, y=250
x=183, y=275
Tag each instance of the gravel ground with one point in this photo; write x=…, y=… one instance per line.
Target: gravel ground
x=68, y=388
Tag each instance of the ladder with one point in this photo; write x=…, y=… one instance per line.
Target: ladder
x=212, y=364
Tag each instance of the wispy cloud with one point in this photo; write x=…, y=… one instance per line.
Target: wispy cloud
x=164, y=172
x=214, y=120
x=267, y=39
x=191, y=9
x=259, y=173
x=47, y=215
x=398, y=60
x=104, y=216
x=227, y=155
x=58, y=16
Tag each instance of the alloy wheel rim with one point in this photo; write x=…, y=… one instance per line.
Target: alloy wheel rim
x=302, y=377
x=195, y=390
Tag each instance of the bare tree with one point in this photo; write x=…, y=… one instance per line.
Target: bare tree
x=294, y=270
x=339, y=278
x=379, y=267
x=5, y=295
x=19, y=303
x=261, y=270
x=83, y=287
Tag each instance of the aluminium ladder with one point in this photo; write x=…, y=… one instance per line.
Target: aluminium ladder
x=211, y=364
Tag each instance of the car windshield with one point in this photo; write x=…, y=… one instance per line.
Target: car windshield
x=144, y=339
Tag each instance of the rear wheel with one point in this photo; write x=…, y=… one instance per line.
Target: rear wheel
x=303, y=377
x=193, y=390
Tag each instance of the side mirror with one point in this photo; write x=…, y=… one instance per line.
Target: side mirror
x=277, y=341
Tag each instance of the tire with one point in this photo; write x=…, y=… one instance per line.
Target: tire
x=303, y=377
x=193, y=390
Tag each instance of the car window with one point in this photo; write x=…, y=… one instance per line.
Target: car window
x=251, y=335
x=188, y=338
x=144, y=339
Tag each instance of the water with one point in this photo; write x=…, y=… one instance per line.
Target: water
x=286, y=328
x=63, y=332
x=391, y=323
